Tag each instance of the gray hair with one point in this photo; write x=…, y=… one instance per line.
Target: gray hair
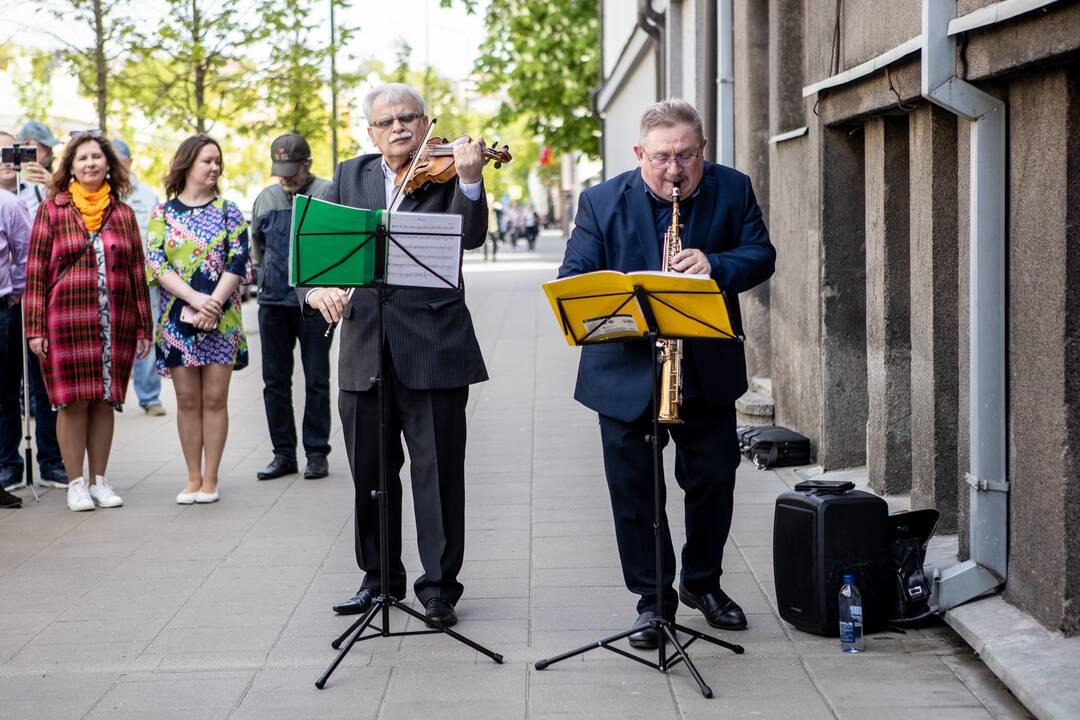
x=669, y=113
x=394, y=93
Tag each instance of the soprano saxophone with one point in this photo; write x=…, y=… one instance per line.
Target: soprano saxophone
x=671, y=384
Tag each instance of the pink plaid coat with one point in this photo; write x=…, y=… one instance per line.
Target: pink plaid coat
x=67, y=314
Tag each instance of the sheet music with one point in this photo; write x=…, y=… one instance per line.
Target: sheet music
x=434, y=239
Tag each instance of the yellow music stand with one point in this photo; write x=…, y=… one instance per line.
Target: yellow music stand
x=610, y=306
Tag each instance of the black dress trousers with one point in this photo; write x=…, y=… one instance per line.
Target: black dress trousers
x=434, y=427
x=706, y=457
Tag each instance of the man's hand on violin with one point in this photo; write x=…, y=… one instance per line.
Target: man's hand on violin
x=330, y=301
x=469, y=160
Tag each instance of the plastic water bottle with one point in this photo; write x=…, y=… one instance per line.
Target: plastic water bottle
x=851, y=617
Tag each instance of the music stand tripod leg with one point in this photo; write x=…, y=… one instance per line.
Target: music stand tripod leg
x=444, y=629
x=356, y=629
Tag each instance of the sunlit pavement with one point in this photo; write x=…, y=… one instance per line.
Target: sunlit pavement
x=156, y=610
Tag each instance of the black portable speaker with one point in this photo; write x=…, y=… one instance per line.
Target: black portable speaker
x=820, y=532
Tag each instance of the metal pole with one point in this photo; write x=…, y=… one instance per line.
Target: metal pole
x=28, y=451
x=333, y=88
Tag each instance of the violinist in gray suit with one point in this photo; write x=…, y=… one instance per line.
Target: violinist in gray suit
x=433, y=358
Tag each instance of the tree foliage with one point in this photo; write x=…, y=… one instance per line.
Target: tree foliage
x=294, y=85
x=113, y=30
x=33, y=89
x=193, y=65
x=544, y=56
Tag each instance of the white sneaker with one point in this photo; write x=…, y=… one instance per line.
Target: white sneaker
x=78, y=496
x=103, y=495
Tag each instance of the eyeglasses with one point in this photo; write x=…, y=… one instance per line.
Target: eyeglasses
x=95, y=133
x=386, y=123
x=661, y=161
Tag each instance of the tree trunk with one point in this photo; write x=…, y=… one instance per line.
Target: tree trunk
x=200, y=71
x=99, y=66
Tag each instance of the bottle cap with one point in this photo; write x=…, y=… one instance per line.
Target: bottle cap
x=849, y=579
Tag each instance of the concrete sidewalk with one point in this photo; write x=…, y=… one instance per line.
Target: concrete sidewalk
x=160, y=611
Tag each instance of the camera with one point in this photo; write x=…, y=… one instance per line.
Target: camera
x=18, y=155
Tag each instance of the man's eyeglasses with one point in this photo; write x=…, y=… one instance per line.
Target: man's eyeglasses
x=662, y=161
x=387, y=123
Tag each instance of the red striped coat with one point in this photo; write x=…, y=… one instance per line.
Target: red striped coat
x=68, y=313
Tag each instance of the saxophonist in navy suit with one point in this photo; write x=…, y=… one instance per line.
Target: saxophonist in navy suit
x=433, y=358
x=621, y=225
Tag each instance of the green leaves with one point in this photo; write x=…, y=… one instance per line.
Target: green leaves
x=544, y=57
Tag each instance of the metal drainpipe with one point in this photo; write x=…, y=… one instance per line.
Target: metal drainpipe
x=652, y=23
x=988, y=525
x=725, y=81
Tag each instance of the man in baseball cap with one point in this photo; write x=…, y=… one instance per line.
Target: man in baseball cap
x=282, y=323
x=37, y=174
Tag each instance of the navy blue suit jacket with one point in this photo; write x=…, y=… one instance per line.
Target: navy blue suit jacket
x=615, y=230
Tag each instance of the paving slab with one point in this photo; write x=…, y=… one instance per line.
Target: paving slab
x=159, y=611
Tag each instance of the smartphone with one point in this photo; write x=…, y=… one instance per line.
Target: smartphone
x=188, y=314
x=17, y=155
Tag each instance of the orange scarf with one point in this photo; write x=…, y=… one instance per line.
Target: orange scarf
x=91, y=205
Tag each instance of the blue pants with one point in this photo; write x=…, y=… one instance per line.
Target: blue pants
x=48, y=450
x=147, y=380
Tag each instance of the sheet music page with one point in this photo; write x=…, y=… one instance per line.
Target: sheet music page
x=432, y=238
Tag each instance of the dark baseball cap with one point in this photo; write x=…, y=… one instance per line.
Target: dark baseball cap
x=287, y=154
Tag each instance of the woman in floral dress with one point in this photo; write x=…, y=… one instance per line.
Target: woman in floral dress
x=197, y=252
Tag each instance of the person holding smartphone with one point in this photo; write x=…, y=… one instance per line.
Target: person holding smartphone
x=197, y=253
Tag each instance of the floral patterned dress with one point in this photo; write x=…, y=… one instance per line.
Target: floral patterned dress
x=200, y=244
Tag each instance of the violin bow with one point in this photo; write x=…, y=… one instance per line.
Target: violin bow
x=399, y=191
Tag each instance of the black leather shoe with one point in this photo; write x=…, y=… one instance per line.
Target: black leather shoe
x=358, y=603
x=317, y=467
x=440, y=610
x=278, y=467
x=719, y=610
x=646, y=638
x=7, y=500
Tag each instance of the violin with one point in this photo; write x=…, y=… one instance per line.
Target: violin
x=435, y=163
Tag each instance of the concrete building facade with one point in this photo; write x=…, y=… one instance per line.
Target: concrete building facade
x=866, y=179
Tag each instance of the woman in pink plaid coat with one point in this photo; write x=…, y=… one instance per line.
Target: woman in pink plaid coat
x=87, y=308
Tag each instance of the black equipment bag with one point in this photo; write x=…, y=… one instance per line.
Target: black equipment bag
x=774, y=446
x=909, y=533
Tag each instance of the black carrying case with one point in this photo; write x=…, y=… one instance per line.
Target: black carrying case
x=773, y=446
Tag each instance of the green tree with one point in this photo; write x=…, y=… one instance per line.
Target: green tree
x=544, y=55
x=295, y=82
x=33, y=90
x=193, y=69
x=112, y=31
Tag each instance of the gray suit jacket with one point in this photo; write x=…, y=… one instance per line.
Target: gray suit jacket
x=429, y=330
